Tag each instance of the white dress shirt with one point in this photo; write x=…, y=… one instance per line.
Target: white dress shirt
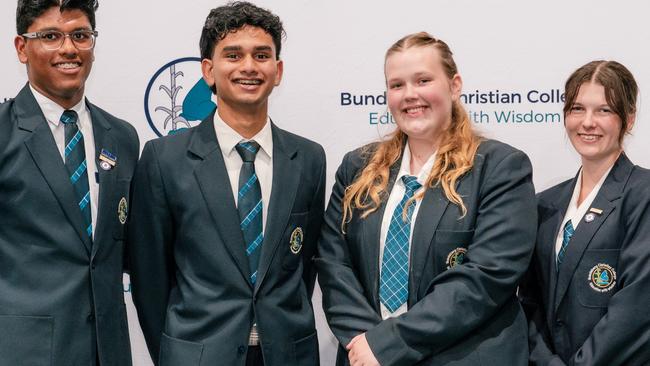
x=396, y=195
x=52, y=112
x=228, y=139
x=574, y=212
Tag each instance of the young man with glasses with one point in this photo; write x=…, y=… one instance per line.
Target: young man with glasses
x=65, y=174
x=226, y=216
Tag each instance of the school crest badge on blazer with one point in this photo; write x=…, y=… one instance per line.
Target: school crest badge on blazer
x=122, y=211
x=295, y=242
x=456, y=257
x=602, y=277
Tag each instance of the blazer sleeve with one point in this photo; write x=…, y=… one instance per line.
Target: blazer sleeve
x=538, y=339
x=346, y=307
x=622, y=336
x=461, y=299
x=314, y=223
x=150, y=236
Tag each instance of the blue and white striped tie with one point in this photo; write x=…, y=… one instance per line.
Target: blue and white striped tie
x=567, y=233
x=75, y=162
x=249, y=205
x=393, y=283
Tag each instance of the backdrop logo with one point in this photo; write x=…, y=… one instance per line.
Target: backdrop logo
x=177, y=97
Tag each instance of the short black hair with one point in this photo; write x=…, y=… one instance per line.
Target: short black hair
x=233, y=16
x=28, y=10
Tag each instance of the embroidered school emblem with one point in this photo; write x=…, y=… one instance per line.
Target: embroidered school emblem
x=295, y=242
x=122, y=211
x=602, y=277
x=456, y=257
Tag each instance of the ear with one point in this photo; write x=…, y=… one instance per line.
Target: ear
x=278, y=74
x=631, y=118
x=206, y=69
x=20, y=43
x=456, y=86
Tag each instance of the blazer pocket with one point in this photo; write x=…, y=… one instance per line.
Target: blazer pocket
x=293, y=240
x=596, y=277
x=451, y=247
x=305, y=351
x=175, y=352
x=26, y=340
x=119, y=210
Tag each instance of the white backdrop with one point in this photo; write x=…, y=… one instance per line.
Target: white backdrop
x=335, y=48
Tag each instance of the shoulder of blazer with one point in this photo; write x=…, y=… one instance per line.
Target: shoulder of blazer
x=494, y=150
x=354, y=161
x=304, y=145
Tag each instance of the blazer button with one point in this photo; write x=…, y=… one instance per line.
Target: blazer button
x=241, y=350
x=91, y=317
x=559, y=323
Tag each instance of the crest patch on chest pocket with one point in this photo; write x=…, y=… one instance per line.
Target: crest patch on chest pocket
x=456, y=257
x=602, y=277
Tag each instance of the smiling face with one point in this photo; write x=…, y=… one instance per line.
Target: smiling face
x=61, y=74
x=593, y=127
x=419, y=92
x=244, y=70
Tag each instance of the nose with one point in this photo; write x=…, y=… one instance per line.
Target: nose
x=409, y=91
x=588, y=122
x=248, y=65
x=68, y=47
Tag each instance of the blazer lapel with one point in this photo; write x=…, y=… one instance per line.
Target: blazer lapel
x=104, y=139
x=432, y=207
x=42, y=147
x=605, y=200
x=371, y=236
x=287, y=172
x=548, y=228
x=217, y=192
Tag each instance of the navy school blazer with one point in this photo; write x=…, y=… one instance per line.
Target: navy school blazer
x=189, y=268
x=596, y=309
x=61, y=294
x=458, y=313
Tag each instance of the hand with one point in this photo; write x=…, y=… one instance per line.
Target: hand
x=359, y=352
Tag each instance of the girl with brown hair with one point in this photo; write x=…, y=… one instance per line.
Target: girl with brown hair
x=427, y=233
x=587, y=293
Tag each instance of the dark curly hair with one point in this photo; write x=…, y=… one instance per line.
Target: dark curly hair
x=28, y=10
x=233, y=16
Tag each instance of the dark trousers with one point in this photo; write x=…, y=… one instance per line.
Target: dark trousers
x=254, y=356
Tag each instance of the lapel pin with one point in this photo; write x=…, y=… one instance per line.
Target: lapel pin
x=590, y=217
x=107, y=160
x=597, y=211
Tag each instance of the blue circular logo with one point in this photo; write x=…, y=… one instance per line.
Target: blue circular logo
x=177, y=97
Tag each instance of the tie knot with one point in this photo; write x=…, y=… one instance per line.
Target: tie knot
x=69, y=117
x=411, y=184
x=247, y=150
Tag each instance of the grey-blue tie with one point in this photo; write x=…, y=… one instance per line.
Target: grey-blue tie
x=75, y=162
x=249, y=205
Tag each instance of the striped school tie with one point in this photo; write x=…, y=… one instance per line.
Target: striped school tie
x=393, y=283
x=566, y=237
x=75, y=162
x=249, y=205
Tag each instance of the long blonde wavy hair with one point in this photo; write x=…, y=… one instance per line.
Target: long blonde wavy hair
x=454, y=157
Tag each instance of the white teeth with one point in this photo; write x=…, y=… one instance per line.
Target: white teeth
x=249, y=82
x=589, y=137
x=68, y=65
x=414, y=110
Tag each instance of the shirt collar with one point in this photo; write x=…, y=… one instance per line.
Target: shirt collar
x=53, y=111
x=405, y=167
x=229, y=138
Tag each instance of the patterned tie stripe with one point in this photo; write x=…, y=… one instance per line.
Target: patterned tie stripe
x=75, y=163
x=250, y=205
x=566, y=237
x=393, y=286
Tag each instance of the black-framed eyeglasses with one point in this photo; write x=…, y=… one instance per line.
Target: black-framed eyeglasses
x=53, y=40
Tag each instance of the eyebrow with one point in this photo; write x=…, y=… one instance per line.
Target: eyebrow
x=239, y=48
